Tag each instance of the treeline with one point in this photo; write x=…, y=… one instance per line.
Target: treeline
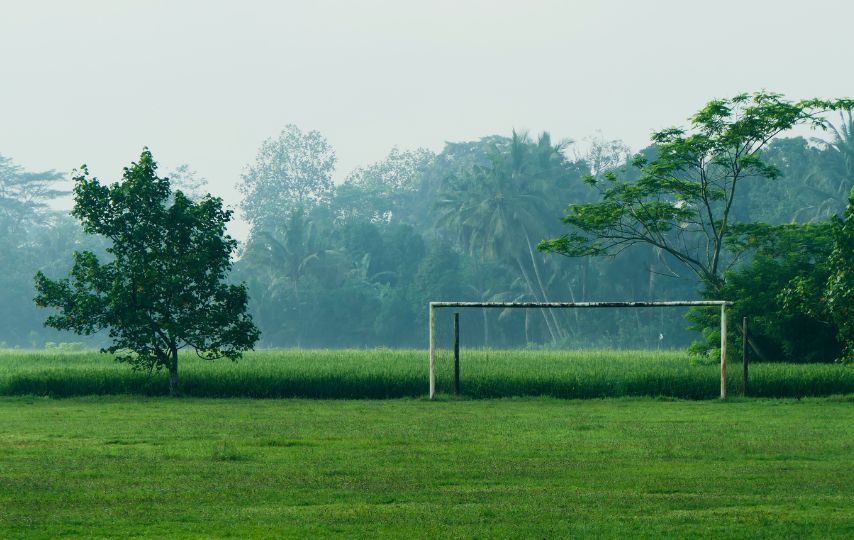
x=354, y=264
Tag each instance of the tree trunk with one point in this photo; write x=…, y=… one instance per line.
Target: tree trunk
x=542, y=310
x=557, y=326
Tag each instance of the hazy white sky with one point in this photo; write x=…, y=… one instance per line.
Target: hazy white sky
x=205, y=82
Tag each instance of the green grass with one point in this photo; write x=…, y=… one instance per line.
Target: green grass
x=395, y=373
x=515, y=468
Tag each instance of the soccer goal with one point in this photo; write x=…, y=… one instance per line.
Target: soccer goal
x=435, y=306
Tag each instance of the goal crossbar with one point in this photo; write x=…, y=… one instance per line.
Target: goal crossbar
x=433, y=306
x=579, y=304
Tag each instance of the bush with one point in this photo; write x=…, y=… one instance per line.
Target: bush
x=780, y=329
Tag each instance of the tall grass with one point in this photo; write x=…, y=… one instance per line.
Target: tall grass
x=401, y=373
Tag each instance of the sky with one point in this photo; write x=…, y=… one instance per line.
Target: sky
x=206, y=82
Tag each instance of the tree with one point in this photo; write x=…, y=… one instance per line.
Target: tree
x=23, y=195
x=189, y=182
x=836, y=177
x=683, y=200
x=279, y=261
x=783, y=326
x=26, y=224
x=291, y=171
x=163, y=289
x=496, y=209
x=386, y=190
x=839, y=292
x=829, y=296
x=798, y=194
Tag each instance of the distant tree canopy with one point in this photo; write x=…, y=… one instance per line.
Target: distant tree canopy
x=29, y=234
x=464, y=223
x=384, y=191
x=188, y=181
x=163, y=288
x=24, y=195
x=354, y=264
x=292, y=171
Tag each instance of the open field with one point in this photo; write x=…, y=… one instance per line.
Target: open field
x=396, y=373
x=513, y=468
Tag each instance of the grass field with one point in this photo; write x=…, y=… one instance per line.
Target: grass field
x=395, y=373
x=124, y=466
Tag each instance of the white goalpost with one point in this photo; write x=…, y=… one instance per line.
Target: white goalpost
x=528, y=305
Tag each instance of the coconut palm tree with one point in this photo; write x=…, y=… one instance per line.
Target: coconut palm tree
x=280, y=259
x=832, y=179
x=496, y=210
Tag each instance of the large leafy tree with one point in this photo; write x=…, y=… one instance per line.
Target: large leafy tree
x=164, y=288
x=683, y=201
x=291, y=171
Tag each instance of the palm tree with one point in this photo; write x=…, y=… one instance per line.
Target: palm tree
x=832, y=180
x=495, y=210
x=281, y=258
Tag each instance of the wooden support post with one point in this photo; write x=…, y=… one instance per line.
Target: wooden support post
x=456, y=354
x=744, y=357
x=432, y=352
x=723, y=351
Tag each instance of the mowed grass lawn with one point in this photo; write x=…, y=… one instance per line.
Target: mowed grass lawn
x=125, y=466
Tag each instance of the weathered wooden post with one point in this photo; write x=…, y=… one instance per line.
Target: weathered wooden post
x=723, y=351
x=456, y=354
x=432, y=352
x=744, y=357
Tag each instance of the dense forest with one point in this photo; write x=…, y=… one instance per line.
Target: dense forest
x=354, y=264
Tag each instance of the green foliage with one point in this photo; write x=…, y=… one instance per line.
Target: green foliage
x=290, y=172
x=682, y=203
x=384, y=191
x=163, y=288
x=187, y=181
x=30, y=237
x=24, y=195
x=784, y=325
x=839, y=291
x=829, y=295
x=364, y=256
x=812, y=186
x=494, y=211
